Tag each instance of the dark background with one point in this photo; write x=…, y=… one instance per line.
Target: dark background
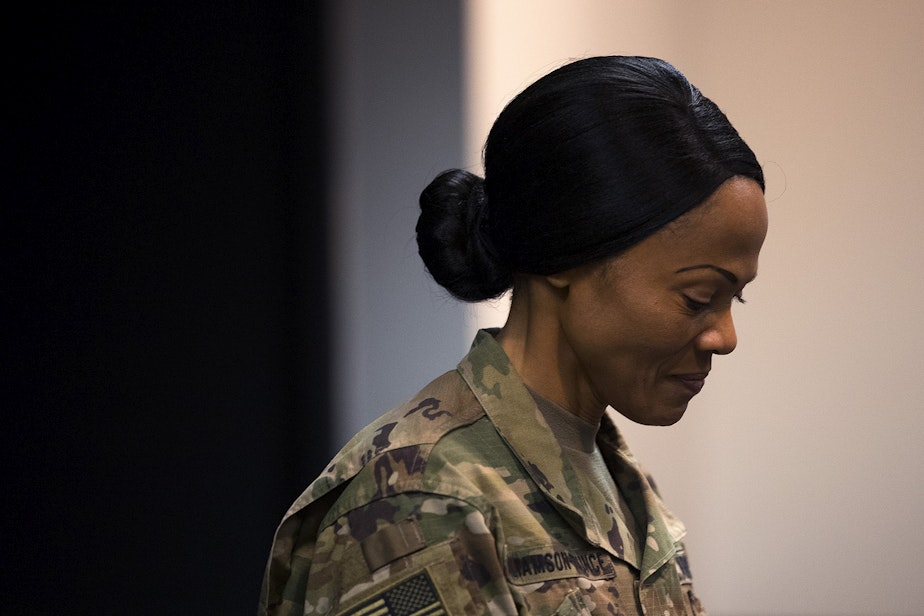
x=165, y=288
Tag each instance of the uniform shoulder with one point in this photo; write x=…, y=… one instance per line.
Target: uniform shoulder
x=441, y=407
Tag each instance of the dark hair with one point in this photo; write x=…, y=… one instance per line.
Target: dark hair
x=589, y=160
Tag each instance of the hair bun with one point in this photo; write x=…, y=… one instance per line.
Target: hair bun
x=453, y=240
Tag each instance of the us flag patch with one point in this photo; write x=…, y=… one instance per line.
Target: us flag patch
x=415, y=596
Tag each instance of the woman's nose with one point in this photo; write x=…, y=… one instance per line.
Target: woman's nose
x=720, y=337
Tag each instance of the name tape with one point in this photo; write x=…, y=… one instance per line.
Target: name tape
x=542, y=564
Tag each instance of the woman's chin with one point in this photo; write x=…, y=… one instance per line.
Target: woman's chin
x=660, y=416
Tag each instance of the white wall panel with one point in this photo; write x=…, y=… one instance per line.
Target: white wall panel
x=797, y=470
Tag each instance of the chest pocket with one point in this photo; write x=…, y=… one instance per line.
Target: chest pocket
x=690, y=602
x=570, y=581
x=670, y=590
x=573, y=605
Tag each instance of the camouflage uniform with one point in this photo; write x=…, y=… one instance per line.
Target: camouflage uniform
x=459, y=502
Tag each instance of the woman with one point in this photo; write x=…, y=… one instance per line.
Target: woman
x=627, y=215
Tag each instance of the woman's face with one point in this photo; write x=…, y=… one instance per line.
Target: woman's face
x=639, y=330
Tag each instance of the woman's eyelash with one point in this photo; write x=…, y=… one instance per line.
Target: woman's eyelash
x=697, y=306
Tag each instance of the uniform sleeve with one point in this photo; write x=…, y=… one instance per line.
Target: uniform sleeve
x=408, y=554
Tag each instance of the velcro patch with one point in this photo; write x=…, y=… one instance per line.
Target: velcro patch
x=415, y=596
x=391, y=543
x=552, y=563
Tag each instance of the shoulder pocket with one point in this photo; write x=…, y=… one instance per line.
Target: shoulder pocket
x=414, y=594
x=427, y=582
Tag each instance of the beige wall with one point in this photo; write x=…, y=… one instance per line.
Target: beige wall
x=798, y=470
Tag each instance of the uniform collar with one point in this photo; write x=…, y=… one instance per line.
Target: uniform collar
x=490, y=375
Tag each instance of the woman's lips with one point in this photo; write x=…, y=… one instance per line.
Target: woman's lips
x=693, y=382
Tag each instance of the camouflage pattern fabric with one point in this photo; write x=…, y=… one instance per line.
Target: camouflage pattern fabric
x=460, y=502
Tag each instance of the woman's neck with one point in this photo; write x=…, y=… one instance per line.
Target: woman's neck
x=535, y=345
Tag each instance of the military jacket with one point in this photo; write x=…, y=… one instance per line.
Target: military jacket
x=460, y=502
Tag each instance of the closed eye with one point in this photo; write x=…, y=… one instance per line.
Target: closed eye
x=694, y=305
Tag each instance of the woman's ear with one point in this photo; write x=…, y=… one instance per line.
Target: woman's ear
x=562, y=280
x=565, y=279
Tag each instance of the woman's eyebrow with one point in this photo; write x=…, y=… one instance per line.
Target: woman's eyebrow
x=727, y=274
